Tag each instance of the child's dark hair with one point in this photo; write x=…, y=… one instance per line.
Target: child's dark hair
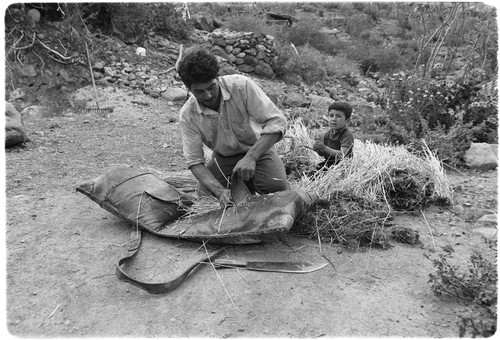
x=198, y=66
x=343, y=107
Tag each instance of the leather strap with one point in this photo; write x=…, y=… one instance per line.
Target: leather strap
x=159, y=287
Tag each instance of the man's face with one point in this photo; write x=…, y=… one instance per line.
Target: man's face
x=206, y=93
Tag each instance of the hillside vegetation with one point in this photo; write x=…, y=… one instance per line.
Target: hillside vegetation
x=434, y=64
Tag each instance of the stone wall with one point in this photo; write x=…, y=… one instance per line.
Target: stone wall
x=249, y=52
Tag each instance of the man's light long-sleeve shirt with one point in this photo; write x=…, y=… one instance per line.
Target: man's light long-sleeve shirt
x=245, y=114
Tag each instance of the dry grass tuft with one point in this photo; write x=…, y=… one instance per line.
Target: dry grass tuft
x=296, y=150
x=388, y=174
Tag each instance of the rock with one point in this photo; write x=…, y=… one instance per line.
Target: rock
x=487, y=232
x=15, y=132
x=292, y=79
x=294, y=99
x=174, y=94
x=250, y=60
x=17, y=94
x=319, y=103
x=27, y=70
x=34, y=15
x=264, y=69
x=32, y=112
x=246, y=68
x=204, y=22
x=480, y=156
x=490, y=218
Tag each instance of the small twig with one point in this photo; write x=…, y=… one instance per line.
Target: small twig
x=321, y=249
x=218, y=276
x=48, y=317
x=430, y=230
x=55, y=52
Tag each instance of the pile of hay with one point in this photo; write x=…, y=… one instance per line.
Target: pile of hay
x=388, y=174
x=365, y=189
x=296, y=150
x=348, y=221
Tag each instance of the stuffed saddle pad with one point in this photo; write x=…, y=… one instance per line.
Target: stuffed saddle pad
x=156, y=206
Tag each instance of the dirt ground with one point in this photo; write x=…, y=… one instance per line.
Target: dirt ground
x=62, y=249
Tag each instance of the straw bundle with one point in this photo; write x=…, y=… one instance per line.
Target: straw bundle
x=389, y=174
x=296, y=150
x=364, y=189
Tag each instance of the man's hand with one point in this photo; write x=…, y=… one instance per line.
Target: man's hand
x=245, y=168
x=225, y=200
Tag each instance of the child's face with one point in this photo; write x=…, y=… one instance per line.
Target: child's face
x=336, y=119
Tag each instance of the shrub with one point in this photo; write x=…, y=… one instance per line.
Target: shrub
x=248, y=23
x=448, y=115
x=340, y=65
x=166, y=20
x=357, y=24
x=308, y=33
x=374, y=58
x=477, y=284
x=312, y=64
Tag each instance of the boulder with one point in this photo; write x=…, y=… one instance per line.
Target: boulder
x=264, y=69
x=174, y=94
x=294, y=99
x=32, y=112
x=480, y=156
x=320, y=103
x=15, y=132
x=246, y=68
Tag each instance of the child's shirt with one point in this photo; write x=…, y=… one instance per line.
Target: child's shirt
x=336, y=139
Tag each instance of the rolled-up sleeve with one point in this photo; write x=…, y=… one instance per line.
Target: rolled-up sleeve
x=192, y=145
x=262, y=110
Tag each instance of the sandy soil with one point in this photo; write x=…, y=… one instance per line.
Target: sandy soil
x=62, y=249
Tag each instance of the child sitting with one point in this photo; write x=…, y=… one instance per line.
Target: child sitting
x=338, y=141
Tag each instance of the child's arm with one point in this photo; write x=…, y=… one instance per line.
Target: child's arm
x=326, y=152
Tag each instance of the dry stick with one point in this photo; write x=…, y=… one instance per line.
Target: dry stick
x=430, y=230
x=48, y=317
x=321, y=249
x=220, y=279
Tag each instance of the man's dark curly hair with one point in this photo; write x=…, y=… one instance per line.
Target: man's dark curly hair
x=198, y=66
x=342, y=107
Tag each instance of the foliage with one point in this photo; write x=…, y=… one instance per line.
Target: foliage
x=307, y=32
x=256, y=24
x=476, y=284
x=454, y=26
x=448, y=115
x=167, y=20
x=374, y=58
x=340, y=66
x=358, y=24
x=312, y=65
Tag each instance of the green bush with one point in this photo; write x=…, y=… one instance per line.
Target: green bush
x=374, y=58
x=357, y=24
x=476, y=284
x=307, y=32
x=312, y=65
x=339, y=66
x=448, y=115
x=166, y=20
x=256, y=24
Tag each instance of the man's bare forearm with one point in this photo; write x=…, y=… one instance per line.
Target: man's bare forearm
x=264, y=143
x=205, y=177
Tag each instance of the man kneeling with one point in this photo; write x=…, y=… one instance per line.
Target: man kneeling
x=234, y=118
